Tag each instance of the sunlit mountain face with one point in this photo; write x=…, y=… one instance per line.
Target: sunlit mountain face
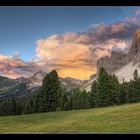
x=68, y=39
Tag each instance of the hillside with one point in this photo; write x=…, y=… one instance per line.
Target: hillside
x=117, y=119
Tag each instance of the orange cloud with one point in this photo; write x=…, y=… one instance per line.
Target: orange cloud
x=71, y=58
x=102, y=53
x=64, y=56
x=81, y=73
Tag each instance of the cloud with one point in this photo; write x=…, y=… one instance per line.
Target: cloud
x=8, y=66
x=74, y=54
x=66, y=56
x=14, y=67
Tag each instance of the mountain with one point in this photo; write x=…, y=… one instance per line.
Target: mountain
x=70, y=83
x=134, y=52
x=123, y=65
x=20, y=86
x=35, y=80
x=118, y=63
x=115, y=61
x=6, y=82
x=26, y=86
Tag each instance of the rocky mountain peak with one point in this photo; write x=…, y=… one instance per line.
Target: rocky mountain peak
x=115, y=61
x=135, y=48
x=39, y=75
x=119, y=59
x=36, y=79
x=138, y=33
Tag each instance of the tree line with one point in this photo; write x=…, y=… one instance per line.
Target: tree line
x=105, y=91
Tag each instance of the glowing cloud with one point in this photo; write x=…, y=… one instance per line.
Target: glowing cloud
x=68, y=58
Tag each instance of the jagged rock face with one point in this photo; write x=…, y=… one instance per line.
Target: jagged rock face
x=70, y=83
x=134, y=52
x=126, y=72
x=115, y=61
x=119, y=59
x=36, y=80
x=123, y=65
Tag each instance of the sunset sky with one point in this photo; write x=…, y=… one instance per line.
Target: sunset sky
x=68, y=39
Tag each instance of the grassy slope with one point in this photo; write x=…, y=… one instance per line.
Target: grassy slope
x=117, y=119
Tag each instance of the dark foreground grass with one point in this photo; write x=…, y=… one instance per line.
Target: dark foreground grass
x=116, y=119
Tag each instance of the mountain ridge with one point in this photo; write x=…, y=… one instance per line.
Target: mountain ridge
x=123, y=65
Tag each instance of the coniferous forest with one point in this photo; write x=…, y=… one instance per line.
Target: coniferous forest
x=105, y=91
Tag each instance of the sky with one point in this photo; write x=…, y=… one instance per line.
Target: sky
x=68, y=39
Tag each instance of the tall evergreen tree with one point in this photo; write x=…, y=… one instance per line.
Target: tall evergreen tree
x=94, y=95
x=75, y=99
x=135, y=74
x=114, y=88
x=28, y=106
x=50, y=93
x=102, y=87
x=107, y=88
x=64, y=102
x=123, y=93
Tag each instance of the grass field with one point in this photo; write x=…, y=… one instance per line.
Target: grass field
x=117, y=119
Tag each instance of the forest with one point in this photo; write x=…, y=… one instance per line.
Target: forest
x=105, y=91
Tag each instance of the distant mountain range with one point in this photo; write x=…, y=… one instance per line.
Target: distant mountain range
x=24, y=86
x=120, y=64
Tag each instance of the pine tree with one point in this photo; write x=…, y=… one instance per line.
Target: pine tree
x=50, y=93
x=107, y=88
x=35, y=103
x=94, y=95
x=64, y=102
x=124, y=93
x=134, y=90
x=28, y=106
x=19, y=105
x=102, y=87
x=135, y=75
x=114, y=88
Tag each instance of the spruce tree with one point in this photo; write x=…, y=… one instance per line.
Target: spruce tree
x=102, y=87
x=94, y=95
x=114, y=88
x=135, y=75
x=107, y=88
x=50, y=93
x=124, y=93
x=64, y=102
x=28, y=106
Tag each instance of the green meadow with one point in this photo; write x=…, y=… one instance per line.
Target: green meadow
x=115, y=119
